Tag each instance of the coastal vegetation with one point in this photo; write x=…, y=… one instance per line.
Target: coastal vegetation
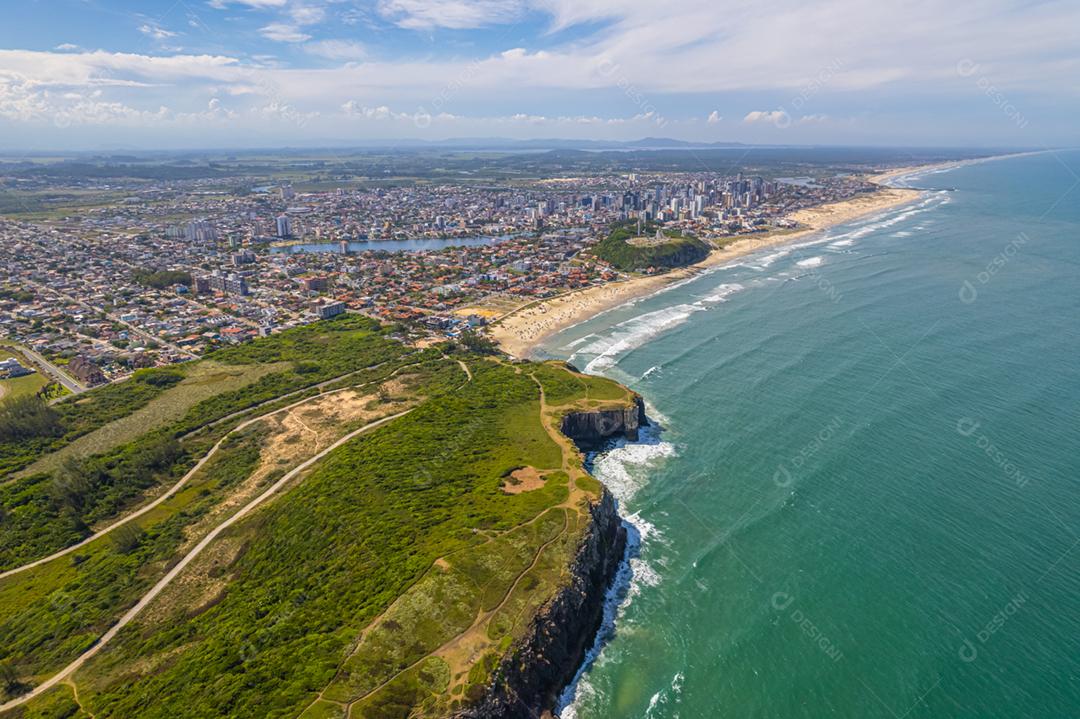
x=625, y=250
x=416, y=559
x=90, y=458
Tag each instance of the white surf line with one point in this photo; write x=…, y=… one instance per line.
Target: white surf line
x=167, y=579
x=179, y=485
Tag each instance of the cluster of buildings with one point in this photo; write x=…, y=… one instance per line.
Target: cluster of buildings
x=248, y=264
x=11, y=368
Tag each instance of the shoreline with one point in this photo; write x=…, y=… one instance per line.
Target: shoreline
x=519, y=332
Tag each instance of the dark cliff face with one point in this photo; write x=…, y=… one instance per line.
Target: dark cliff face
x=590, y=430
x=531, y=676
x=536, y=669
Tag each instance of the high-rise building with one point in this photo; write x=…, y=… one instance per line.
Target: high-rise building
x=245, y=257
x=315, y=284
x=325, y=311
x=229, y=284
x=197, y=231
x=284, y=226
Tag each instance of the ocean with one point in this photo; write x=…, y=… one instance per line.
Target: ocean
x=861, y=495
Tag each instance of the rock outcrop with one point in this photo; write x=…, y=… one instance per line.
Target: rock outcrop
x=591, y=429
x=536, y=669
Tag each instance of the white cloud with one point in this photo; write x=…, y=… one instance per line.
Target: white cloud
x=100, y=68
x=354, y=109
x=642, y=56
x=771, y=117
x=307, y=14
x=66, y=47
x=283, y=32
x=452, y=14
x=156, y=31
x=26, y=102
x=337, y=49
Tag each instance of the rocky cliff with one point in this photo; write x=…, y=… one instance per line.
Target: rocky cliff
x=536, y=669
x=591, y=429
x=534, y=672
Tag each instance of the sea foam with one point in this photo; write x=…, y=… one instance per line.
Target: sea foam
x=633, y=333
x=624, y=469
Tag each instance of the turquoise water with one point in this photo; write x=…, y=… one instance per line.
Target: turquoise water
x=864, y=497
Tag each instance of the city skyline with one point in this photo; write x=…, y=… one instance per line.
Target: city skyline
x=253, y=73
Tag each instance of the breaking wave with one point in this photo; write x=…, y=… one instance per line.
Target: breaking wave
x=624, y=469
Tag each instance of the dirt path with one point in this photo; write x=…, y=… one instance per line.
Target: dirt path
x=75, y=694
x=468, y=372
x=306, y=428
x=317, y=386
x=67, y=671
x=569, y=450
x=477, y=624
x=187, y=477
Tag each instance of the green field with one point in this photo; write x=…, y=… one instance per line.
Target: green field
x=411, y=567
x=20, y=386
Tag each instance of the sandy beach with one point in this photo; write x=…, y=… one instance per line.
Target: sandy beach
x=520, y=331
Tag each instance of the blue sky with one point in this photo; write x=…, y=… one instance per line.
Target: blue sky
x=216, y=73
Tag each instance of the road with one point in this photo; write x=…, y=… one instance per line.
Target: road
x=187, y=559
x=115, y=318
x=52, y=370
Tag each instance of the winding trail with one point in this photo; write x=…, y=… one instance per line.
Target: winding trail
x=191, y=473
x=164, y=582
x=317, y=386
x=480, y=621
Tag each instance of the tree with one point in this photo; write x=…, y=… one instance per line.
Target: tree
x=27, y=417
x=478, y=343
x=127, y=537
x=9, y=679
x=73, y=483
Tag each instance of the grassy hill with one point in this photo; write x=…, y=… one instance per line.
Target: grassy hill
x=427, y=509
x=622, y=250
x=89, y=458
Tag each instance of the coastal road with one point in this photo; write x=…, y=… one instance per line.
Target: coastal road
x=51, y=370
x=186, y=560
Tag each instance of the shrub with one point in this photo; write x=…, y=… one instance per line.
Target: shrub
x=28, y=417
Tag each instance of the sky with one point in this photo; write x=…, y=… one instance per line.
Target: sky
x=113, y=74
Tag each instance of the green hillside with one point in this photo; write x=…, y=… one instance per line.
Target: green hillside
x=624, y=251
x=371, y=547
